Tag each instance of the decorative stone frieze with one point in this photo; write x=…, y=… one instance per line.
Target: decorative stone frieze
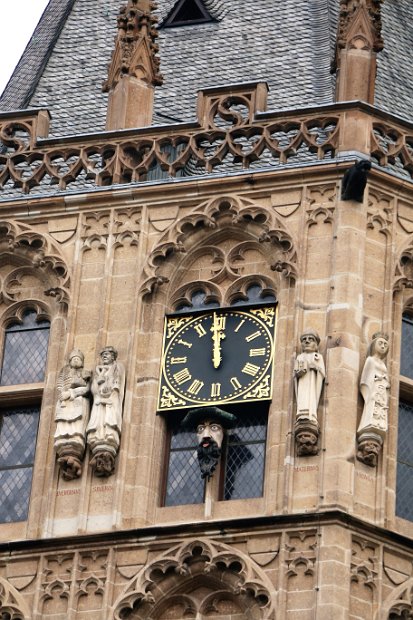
x=196, y=577
x=200, y=233
x=31, y=254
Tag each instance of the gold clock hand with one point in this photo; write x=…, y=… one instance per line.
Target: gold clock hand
x=217, y=330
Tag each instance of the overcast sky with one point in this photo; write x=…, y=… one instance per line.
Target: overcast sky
x=18, y=19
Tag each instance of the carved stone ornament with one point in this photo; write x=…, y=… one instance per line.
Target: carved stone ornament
x=210, y=424
x=359, y=20
x=71, y=415
x=198, y=578
x=355, y=181
x=306, y=438
x=136, y=48
x=105, y=424
x=374, y=387
x=309, y=375
x=12, y=603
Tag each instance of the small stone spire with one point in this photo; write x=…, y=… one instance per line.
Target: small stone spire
x=134, y=69
x=358, y=41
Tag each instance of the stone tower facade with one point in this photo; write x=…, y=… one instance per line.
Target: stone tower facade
x=246, y=181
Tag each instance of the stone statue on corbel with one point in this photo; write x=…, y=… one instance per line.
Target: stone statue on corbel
x=309, y=375
x=105, y=424
x=210, y=425
x=71, y=415
x=374, y=387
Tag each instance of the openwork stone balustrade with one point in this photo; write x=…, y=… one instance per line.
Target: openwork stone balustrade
x=231, y=135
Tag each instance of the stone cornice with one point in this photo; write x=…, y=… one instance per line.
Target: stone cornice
x=214, y=529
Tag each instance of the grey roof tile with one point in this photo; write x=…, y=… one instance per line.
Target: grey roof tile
x=287, y=43
x=250, y=41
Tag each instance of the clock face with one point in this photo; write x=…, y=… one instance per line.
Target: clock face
x=220, y=356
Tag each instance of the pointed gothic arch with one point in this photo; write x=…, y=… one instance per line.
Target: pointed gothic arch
x=399, y=604
x=12, y=603
x=197, y=577
x=26, y=254
x=207, y=230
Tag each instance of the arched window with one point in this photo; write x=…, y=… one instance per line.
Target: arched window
x=243, y=453
x=21, y=381
x=404, y=485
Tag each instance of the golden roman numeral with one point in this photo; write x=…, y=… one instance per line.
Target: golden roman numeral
x=240, y=324
x=182, y=376
x=195, y=387
x=250, y=369
x=215, y=390
x=220, y=322
x=178, y=360
x=200, y=330
x=235, y=383
x=257, y=352
x=185, y=343
x=256, y=334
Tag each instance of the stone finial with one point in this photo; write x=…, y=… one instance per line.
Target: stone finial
x=358, y=40
x=134, y=69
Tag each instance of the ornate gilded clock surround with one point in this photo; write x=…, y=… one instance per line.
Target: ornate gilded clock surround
x=220, y=356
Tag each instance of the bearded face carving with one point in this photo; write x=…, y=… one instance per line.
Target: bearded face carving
x=210, y=435
x=210, y=424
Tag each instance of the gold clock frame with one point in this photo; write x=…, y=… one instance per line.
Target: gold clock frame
x=169, y=399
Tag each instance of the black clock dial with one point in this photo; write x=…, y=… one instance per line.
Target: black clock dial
x=216, y=357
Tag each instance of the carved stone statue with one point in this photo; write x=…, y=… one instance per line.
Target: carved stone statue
x=71, y=415
x=210, y=424
x=104, y=428
x=374, y=387
x=309, y=375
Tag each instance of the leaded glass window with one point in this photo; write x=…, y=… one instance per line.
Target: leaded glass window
x=406, y=358
x=18, y=430
x=23, y=362
x=244, y=467
x=404, y=483
x=184, y=483
x=243, y=461
x=25, y=350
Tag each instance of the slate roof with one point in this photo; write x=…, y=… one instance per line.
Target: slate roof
x=289, y=44
x=65, y=63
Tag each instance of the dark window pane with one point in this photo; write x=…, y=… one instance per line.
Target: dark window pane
x=18, y=429
x=25, y=351
x=184, y=484
x=244, y=472
x=15, y=485
x=406, y=360
x=404, y=487
x=254, y=295
x=183, y=440
x=199, y=301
